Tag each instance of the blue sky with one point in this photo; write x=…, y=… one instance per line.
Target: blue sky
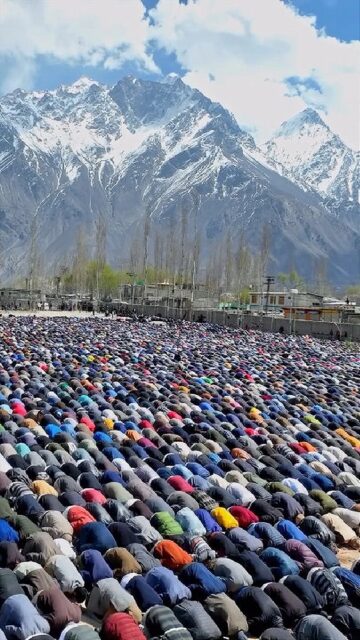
x=285, y=54
x=340, y=18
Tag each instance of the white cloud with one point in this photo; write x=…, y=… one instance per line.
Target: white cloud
x=20, y=73
x=241, y=53
x=238, y=52
x=102, y=32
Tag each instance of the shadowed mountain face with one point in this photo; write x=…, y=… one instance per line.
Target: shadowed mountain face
x=82, y=151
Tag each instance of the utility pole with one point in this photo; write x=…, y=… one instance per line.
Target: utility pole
x=100, y=252
x=269, y=281
x=195, y=199
x=132, y=284
x=147, y=221
x=292, y=320
x=33, y=257
x=184, y=225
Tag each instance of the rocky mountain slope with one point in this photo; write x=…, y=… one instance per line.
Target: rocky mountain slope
x=308, y=152
x=82, y=151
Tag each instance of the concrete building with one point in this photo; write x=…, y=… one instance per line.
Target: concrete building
x=167, y=294
x=320, y=313
x=19, y=298
x=278, y=300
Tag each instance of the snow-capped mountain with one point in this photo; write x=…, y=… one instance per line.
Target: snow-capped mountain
x=307, y=151
x=82, y=151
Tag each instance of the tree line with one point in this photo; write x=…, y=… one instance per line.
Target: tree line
x=173, y=252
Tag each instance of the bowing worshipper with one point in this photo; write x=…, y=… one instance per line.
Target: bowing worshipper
x=54, y=523
x=121, y=626
x=260, y=610
x=347, y=620
x=161, y=623
x=40, y=547
x=277, y=634
x=9, y=585
x=350, y=582
x=258, y=570
x=57, y=609
x=68, y=577
x=144, y=595
x=279, y=562
x=107, y=596
x=145, y=559
x=303, y=556
x=10, y=555
x=291, y=607
x=94, y=535
x=304, y=590
x=227, y=616
x=325, y=554
x=167, y=585
x=171, y=555
x=330, y=588
x=141, y=529
x=201, y=581
x=344, y=535
x=93, y=567
x=197, y=621
x=20, y=619
x=35, y=581
x=78, y=631
x=315, y=627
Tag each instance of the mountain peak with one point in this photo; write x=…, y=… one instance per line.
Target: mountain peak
x=142, y=84
x=172, y=78
x=129, y=79
x=313, y=155
x=144, y=145
x=308, y=116
x=81, y=84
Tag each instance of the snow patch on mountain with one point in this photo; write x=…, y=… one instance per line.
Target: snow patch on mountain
x=70, y=154
x=307, y=151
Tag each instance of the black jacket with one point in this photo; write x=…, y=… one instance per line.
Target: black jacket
x=257, y=568
x=287, y=505
x=9, y=585
x=266, y=512
x=260, y=610
x=291, y=607
x=312, y=599
x=347, y=620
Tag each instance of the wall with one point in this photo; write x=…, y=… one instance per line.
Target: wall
x=299, y=327
x=304, y=327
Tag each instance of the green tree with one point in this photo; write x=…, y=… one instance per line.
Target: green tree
x=109, y=281
x=245, y=296
x=353, y=290
x=103, y=279
x=283, y=279
x=291, y=280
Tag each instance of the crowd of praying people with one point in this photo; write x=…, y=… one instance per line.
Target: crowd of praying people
x=176, y=481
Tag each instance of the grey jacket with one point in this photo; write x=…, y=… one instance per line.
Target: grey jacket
x=64, y=571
